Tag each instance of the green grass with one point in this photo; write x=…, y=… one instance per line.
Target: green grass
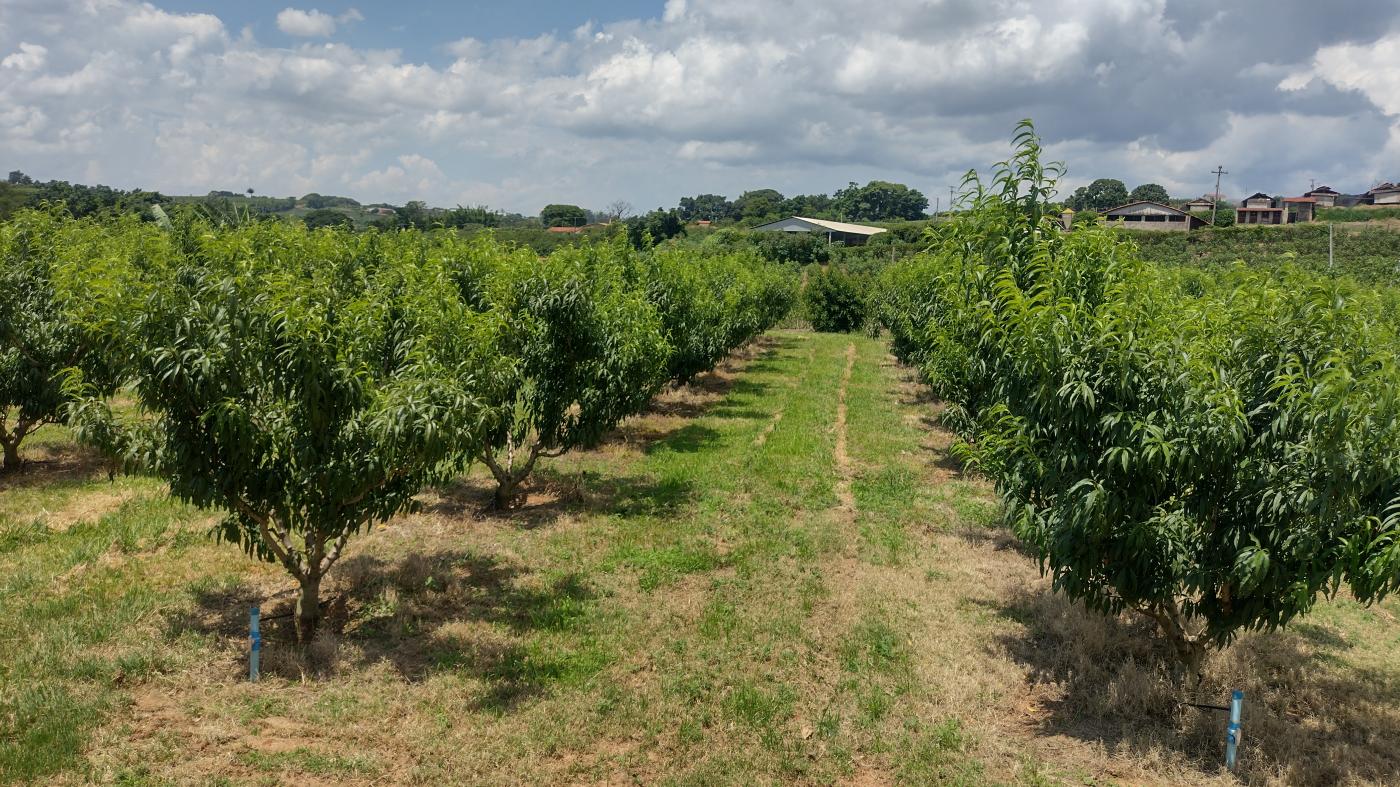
x=1366, y=252
x=1370, y=213
x=692, y=608
x=76, y=614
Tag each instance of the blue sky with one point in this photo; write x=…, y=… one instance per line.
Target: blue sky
x=516, y=105
x=421, y=29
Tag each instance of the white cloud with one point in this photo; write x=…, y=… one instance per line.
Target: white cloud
x=720, y=96
x=313, y=23
x=30, y=57
x=675, y=11
x=717, y=151
x=1372, y=70
x=411, y=177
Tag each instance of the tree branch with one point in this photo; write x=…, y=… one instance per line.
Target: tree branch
x=337, y=548
x=281, y=550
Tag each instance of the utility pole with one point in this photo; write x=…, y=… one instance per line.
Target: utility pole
x=1218, y=171
x=952, y=197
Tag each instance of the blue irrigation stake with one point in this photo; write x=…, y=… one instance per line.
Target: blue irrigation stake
x=255, y=643
x=1232, y=733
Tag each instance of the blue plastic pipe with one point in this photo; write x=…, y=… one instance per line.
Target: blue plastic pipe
x=255, y=643
x=1232, y=734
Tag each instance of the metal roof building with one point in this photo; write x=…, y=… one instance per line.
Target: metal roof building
x=1148, y=215
x=835, y=231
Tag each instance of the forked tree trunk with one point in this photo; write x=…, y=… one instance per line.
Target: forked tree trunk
x=308, y=567
x=1189, y=649
x=508, y=474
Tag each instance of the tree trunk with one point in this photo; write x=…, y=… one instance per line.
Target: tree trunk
x=1189, y=649
x=10, y=440
x=308, y=608
x=508, y=475
x=11, y=455
x=505, y=490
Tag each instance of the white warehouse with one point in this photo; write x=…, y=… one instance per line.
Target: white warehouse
x=835, y=231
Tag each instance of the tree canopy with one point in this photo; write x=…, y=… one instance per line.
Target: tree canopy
x=580, y=350
x=38, y=338
x=710, y=207
x=759, y=204
x=654, y=227
x=1150, y=192
x=879, y=200
x=1185, y=446
x=563, y=216
x=1101, y=195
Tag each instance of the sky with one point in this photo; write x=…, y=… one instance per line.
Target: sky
x=516, y=105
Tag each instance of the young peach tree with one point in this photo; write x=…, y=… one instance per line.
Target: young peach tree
x=579, y=350
x=1215, y=453
x=308, y=384
x=38, y=339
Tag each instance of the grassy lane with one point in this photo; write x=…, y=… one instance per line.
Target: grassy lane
x=777, y=575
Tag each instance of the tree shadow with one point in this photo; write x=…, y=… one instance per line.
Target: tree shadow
x=69, y=465
x=700, y=397
x=689, y=439
x=1311, y=717
x=449, y=611
x=932, y=417
x=551, y=494
x=997, y=538
x=703, y=393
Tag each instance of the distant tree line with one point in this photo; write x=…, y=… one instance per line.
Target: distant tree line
x=1105, y=194
x=417, y=215
x=877, y=200
x=21, y=191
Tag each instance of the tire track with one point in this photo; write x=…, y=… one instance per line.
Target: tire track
x=846, y=500
x=767, y=430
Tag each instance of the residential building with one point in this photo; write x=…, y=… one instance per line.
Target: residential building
x=1325, y=196
x=1259, y=208
x=1148, y=215
x=1385, y=194
x=1202, y=203
x=1257, y=200
x=1298, y=209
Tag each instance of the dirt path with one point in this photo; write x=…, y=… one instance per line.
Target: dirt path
x=768, y=430
x=844, y=495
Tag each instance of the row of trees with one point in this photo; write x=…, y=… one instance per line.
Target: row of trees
x=1108, y=193
x=643, y=230
x=310, y=383
x=877, y=200
x=1214, y=452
